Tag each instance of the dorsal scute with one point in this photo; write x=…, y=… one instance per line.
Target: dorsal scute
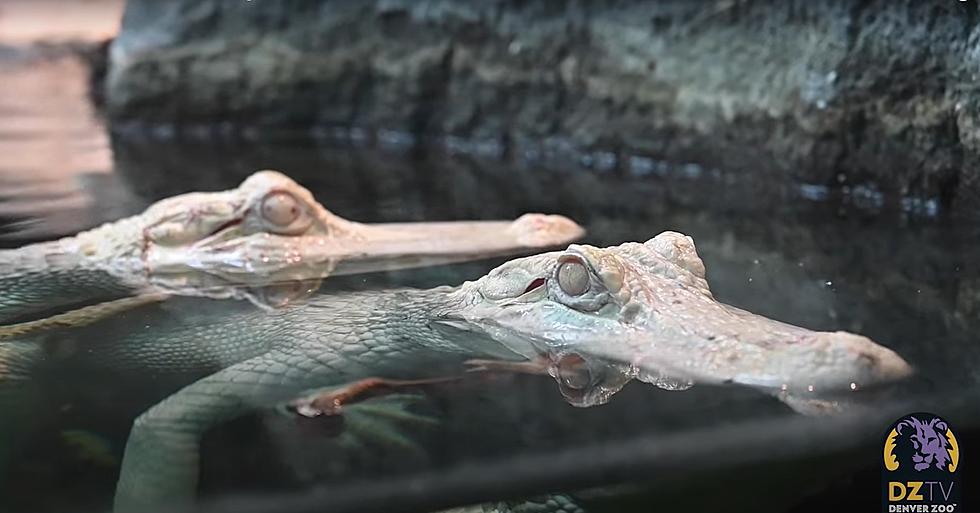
x=678, y=248
x=673, y=255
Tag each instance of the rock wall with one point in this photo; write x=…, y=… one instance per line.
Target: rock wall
x=881, y=94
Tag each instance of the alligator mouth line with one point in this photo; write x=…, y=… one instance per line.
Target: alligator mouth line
x=148, y=242
x=223, y=227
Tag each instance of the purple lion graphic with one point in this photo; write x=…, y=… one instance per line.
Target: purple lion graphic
x=929, y=446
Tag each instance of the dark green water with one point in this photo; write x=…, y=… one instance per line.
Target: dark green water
x=909, y=281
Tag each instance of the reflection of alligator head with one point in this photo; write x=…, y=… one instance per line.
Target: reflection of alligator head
x=271, y=229
x=268, y=230
x=647, y=309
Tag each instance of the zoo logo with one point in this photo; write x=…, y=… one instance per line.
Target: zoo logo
x=920, y=460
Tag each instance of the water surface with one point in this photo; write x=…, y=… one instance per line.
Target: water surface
x=829, y=263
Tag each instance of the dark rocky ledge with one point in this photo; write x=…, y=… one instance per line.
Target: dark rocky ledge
x=839, y=93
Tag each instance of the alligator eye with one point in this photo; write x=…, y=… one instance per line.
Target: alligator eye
x=280, y=208
x=573, y=277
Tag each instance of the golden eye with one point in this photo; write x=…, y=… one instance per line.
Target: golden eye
x=573, y=278
x=280, y=208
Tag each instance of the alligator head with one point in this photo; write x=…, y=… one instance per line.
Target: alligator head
x=645, y=311
x=271, y=230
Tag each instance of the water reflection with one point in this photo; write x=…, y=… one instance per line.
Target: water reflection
x=183, y=340
x=157, y=349
x=55, y=161
x=799, y=264
x=905, y=284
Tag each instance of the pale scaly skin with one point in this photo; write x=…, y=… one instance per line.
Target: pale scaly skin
x=643, y=311
x=216, y=244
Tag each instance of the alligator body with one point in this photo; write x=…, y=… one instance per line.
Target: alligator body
x=218, y=244
x=634, y=311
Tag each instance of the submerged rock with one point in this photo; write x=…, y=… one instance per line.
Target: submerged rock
x=833, y=93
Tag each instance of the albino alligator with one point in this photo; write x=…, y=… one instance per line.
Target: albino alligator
x=269, y=229
x=631, y=311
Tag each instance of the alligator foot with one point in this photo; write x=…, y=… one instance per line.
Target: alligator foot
x=391, y=422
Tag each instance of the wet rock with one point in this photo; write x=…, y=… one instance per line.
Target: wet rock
x=832, y=93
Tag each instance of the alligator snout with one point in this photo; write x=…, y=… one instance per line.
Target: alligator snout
x=872, y=362
x=768, y=354
x=543, y=230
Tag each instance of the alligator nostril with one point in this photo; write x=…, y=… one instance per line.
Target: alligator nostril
x=631, y=311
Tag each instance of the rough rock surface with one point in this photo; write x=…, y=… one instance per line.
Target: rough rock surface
x=838, y=93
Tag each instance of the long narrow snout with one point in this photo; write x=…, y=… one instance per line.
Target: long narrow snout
x=530, y=231
x=406, y=245
x=735, y=346
x=740, y=348
x=812, y=362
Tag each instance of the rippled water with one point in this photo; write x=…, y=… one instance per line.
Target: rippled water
x=826, y=263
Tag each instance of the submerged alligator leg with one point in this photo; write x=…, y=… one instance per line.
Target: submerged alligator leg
x=331, y=402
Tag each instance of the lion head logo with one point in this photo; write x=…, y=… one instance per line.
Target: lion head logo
x=922, y=441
